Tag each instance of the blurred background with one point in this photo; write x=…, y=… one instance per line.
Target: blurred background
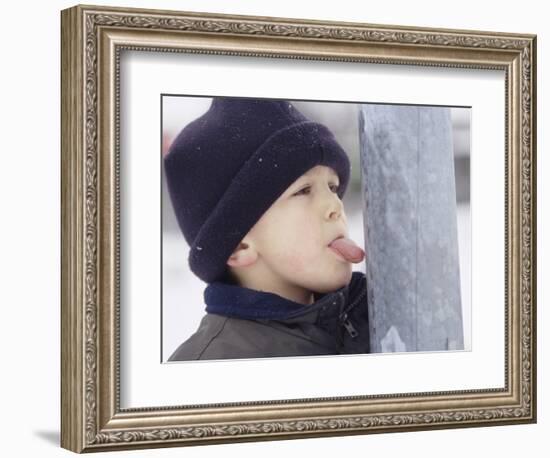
x=182, y=292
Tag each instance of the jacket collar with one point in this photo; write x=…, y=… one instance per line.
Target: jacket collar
x=239, y=302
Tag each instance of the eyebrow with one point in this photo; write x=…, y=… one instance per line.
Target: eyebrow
x=301, y=181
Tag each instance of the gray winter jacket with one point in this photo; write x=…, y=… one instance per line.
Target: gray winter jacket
x=243, y=323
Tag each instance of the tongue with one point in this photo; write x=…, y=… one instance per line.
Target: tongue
x=348, y=249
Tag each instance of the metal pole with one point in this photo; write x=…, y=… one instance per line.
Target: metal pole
x=411, y=237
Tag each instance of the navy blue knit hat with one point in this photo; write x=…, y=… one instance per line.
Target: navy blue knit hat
x=227, y=167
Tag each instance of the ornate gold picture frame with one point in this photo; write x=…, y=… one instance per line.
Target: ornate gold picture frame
x=94, y=40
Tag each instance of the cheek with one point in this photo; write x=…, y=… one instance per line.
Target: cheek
x=307, y=232
x=295, y=262
x=303, y=253
x=295, y=243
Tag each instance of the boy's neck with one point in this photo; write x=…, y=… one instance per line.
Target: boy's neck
x=290, y=292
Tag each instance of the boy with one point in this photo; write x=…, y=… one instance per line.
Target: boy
x=256, y=189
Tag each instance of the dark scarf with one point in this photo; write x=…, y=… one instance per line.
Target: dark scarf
x=239, y=302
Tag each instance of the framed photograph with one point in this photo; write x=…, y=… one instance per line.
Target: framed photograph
x=388, y=148
x=276, y=228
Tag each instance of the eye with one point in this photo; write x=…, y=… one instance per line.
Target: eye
x=306, y=190
x=303, y=192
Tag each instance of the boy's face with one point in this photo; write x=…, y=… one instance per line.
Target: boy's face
x=291, y=240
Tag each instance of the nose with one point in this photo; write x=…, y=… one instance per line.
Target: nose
x=334, y=208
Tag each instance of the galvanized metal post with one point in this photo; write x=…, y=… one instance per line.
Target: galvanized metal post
x=410, y=228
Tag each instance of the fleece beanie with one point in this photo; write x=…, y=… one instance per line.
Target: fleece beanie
x=227, y=167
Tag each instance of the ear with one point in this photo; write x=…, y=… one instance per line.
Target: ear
x=244, y=255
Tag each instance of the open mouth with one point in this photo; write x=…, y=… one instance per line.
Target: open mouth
x=337, y=254
x=346, y=249
x=333, y=247
x=336, y=238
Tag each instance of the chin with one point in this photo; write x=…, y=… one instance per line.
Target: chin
x=335, y=281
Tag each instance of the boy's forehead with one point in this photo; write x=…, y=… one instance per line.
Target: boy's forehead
x=319, y=170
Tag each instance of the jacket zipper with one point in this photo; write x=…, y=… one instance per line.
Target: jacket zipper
x=348, y=326
x=344, y=319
